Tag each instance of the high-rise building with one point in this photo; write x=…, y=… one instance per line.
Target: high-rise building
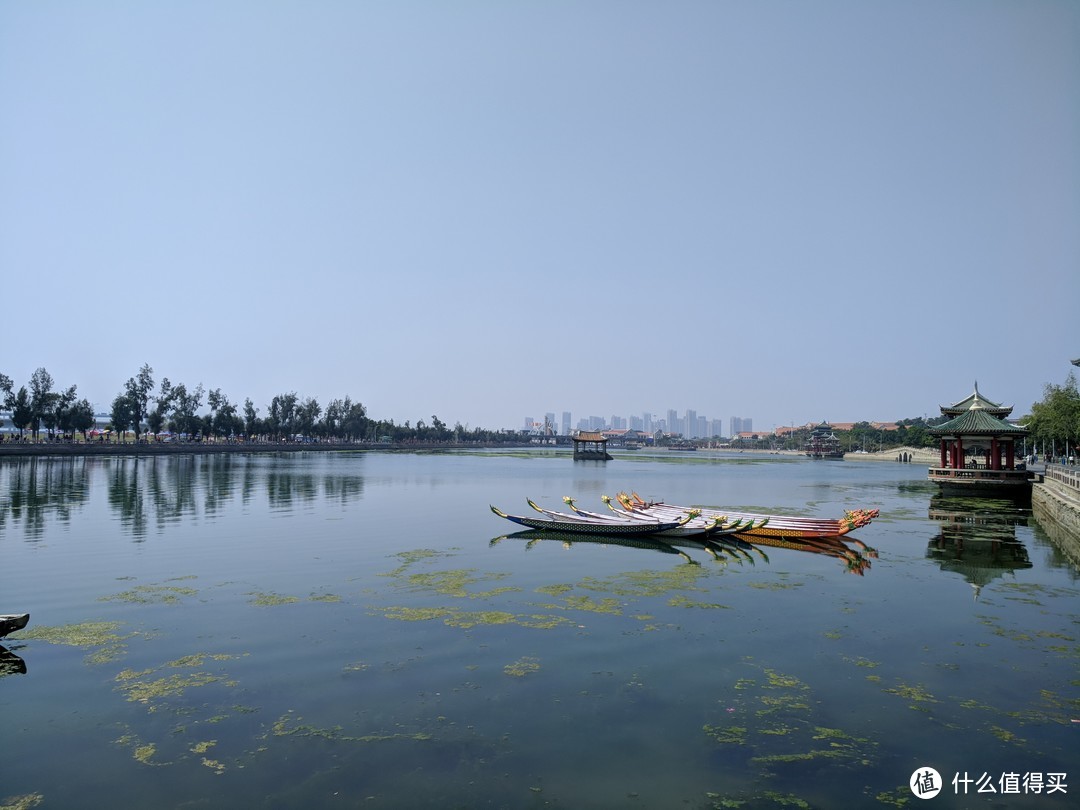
x=673, y=422
x=566, y=423
x=741, y=424
x=550, y=428
x=690, y=425
x=646, y=422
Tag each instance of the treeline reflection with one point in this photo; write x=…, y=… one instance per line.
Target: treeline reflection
x=148, y=493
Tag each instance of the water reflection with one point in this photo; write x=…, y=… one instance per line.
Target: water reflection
x=10, y=663
x=149, y=493
x=33, y=489
x=854, y=555
x=977, y=538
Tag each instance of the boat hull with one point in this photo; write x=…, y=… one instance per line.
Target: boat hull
x=10, y=622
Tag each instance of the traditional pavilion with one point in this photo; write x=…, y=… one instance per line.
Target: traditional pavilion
x=591, y=447
x=823, y=443
x=978, y=447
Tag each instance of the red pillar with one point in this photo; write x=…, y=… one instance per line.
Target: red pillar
x=944, y=457
x=959, y=452
x=995, y=454
x=1010, y=456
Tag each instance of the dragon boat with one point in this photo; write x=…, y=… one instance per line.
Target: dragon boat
x=771, y=526
x=613, y=527
x=697, y=526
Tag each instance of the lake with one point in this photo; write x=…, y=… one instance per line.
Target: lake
x=341, y=630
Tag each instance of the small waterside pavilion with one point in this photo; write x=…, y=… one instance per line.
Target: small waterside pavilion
x=978, y=447
x=590, y=447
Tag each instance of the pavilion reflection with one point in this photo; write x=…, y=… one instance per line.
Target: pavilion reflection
x=977, y=538
x=853, y=554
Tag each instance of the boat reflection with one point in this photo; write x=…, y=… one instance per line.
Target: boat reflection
x=10, y=663
x=977, y=538
x=854, y=555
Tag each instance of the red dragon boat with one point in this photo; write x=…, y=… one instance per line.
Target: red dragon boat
x=770, y=526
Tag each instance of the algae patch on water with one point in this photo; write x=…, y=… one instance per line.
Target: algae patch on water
x=107, y=644
x=24, y=802
x=522, y=667
x=292, y=726
x=151, y=595
x=773, y=715
x=270, y=599
x=141, y=686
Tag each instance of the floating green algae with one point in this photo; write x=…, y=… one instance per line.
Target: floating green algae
x=522, y=667
x=151, y=594
x=290, y=726
x=649, y=583
x=773, y=716
x=140, y=687
x=102, y=636
x=140, y=751
x=269, y=599
x=456, y=582
x=686, y=602
x=555, y=590
x=918, y=695
x=720, y=802
x=24, y=802
x=324, y=597
x=410, y=558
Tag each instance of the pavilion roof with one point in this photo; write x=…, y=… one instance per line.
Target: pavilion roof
x=584, y=436
x=977, y=422
x=976, y=400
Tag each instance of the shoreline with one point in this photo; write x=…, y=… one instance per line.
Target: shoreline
x=28, y=449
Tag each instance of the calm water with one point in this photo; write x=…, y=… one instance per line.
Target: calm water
x=334, y=630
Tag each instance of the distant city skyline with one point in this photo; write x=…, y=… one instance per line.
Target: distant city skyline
x=691, y=425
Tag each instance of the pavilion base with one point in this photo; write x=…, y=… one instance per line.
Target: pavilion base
x=1015, y=484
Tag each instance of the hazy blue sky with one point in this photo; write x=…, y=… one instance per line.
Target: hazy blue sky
x=790, y=211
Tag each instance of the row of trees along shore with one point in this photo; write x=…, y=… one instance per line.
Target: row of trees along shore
x=144, y=408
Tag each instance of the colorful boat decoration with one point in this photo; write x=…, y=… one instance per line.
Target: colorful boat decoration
x=698, y=525
x=775, y=526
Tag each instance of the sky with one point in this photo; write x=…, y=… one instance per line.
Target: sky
x=483, y=211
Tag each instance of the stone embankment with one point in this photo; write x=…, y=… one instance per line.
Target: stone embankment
x=1055, y=502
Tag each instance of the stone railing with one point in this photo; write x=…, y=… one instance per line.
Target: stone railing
x=1063, y=474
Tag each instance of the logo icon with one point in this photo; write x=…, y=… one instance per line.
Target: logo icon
x=925, y=782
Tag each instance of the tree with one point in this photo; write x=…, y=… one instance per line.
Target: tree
x=5, y=388
x=307, y=415
x=138, y=390
x=184, y=405
x=251, y=417
x=282, y=414
x=162, y=403
x=123, y=412
x=82, y=416
x=1055, y=421
x=41, y=396
x=61, y=414
x=22, y=412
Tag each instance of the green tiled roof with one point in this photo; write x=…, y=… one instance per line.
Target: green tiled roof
x=977, y=421
x=976, y=400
